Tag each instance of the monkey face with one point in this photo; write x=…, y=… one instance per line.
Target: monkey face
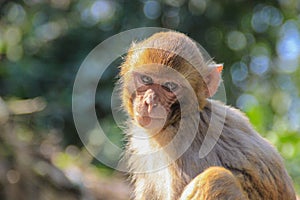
x=154, y=92
x=159, y=88
x=153, y=100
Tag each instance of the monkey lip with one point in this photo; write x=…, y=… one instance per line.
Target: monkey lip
x=138, y=115
x=145, y=120
x=150, y=117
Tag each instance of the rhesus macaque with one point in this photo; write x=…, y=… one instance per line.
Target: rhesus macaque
x=166, y=86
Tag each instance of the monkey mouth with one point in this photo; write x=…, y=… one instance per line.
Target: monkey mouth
x=147, y=121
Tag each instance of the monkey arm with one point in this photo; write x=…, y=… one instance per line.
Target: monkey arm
x=215, y=183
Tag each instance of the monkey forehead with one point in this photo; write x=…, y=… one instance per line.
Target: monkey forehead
x=158, y=60
x=156, y=68
x=159, y=71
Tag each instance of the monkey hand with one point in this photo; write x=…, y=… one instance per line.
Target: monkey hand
x=215, y=183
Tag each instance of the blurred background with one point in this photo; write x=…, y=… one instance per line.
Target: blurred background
x=44, y=42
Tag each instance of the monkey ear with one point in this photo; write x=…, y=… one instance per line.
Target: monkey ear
x=213, y=79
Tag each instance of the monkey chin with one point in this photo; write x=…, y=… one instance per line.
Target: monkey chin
x=153, y=125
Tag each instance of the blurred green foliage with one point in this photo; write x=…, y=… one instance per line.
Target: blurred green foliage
x=43, y=43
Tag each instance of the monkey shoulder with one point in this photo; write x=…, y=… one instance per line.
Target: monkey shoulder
x=234, y=122
x=233, y=117
x=243, y=146
x=236, y=127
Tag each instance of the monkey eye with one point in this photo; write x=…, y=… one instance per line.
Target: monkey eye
x=146, y=80
x=170, y=86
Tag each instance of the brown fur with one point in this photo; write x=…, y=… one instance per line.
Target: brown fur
x=249, y=167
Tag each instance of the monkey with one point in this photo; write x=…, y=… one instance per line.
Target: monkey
x=166, y=89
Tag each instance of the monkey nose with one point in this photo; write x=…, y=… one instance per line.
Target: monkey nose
x=150, y=103
x=150, y=100
x=151, y=106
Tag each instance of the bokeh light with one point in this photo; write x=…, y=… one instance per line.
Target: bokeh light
x=260, y=64
x=152, y=9
x=288, y=47
x=236, y=40
x=239, y=72
x=265, y=16
x=246, y=102
x=197, y=7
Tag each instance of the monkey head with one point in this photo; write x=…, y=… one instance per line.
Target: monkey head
x=161, y=75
